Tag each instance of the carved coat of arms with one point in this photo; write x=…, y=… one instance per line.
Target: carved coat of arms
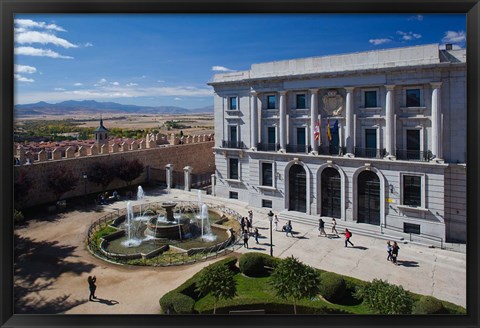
x=333, y=103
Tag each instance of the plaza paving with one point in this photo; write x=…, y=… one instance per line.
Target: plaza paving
x=125, y=289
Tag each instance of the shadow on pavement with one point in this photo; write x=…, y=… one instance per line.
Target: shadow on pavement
x=408, y=264
x=106, y=302
x=257, y=248
x=360, y=247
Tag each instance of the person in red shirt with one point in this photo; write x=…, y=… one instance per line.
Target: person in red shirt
x=348, y=234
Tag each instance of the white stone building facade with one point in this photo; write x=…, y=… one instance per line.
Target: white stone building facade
x=374, y=137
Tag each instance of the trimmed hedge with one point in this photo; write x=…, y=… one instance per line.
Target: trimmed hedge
x=428, y=305
x=256, y=264
x=332, y=286
x=176, y=303
x=385, y=298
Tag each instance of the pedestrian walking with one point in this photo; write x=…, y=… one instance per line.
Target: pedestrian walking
x=91, y=284
x=389, y=251
x=276, y=222
x=334, y=226
x=250, y=217
x=245, y=238
x=249, y=224
x=321, y=227
x=243, y=223
x=288, y=228
x=256, y=234
x=395, y=249
x=348, y=235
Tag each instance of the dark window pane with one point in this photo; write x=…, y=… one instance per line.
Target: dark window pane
x=370, y=138
x=411, y=228
x=233, y=195
x=233, y=103
x=271, y=102
x=271, y=134
x=370, y=99
x=266, y=203
x=234, y=168
x=233, y=133
x=413, y=144
x=267, y=174
x=413, y=98
x=301, y=139
x=412, y=190
x=301, y=104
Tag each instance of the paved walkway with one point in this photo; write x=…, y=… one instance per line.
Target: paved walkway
x=125, y=290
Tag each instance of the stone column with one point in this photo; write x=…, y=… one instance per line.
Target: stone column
x=169, y=173
x=253, y=120
x=436, y=120
x=187, y=171
x=389, y=124
x=214, y=183
x=349, y=121
x=314, y=119
x=283, y=121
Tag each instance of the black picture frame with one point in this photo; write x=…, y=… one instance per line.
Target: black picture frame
x=8, y=8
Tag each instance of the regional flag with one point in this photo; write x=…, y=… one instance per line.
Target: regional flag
x=316, y=132
x=329, y=131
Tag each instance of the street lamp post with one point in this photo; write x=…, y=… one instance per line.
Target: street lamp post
x=84, y=175
x=270, y=218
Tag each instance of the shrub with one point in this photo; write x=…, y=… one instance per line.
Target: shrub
x=428, y=305
x=18, y=216
x=256, y=264
x=332, y=286
x=385, y=298
x=176, y=303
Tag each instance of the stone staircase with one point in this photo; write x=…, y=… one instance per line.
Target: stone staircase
x=360, y=229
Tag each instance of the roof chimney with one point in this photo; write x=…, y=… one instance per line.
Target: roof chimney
x=448, y=46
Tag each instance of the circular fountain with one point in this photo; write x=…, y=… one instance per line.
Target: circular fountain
x=167, y=226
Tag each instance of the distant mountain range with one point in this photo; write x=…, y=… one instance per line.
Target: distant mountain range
x=72, y=107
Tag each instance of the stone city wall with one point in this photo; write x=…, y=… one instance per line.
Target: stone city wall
x=197, y=155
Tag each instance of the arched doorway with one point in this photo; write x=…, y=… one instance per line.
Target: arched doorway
x=368, y=198
x=331, y=193
x=297, y=178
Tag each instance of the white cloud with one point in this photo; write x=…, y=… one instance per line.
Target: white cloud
x=176, y=98
x=78, y=84
x=160, y=81
x=131, y=84
x=407, y=36
x=454, y=37
x=30, y=51
x=377, y=42
x=43, y=38
x=59, y=89
x=115, y=83
x=221, y=69
x=101, y=82
x=416, y=17
x=24, y=69
x=28, y=24
x=20, y=78
x=88, y=44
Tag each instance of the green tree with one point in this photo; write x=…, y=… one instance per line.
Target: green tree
x=293, y=279
x=385, y=298
x=128, y=171
x=101, y=173
x=218, y=280
x=61, y=180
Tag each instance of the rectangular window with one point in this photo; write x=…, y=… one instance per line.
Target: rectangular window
x=271, y=102
x=411, y=228
x=232, y=103
x=271, y=135
x=233, y=169
x=301, y=101
x=413, y=98
x=233, y=195
x=370, y=99
x=413, y=144
x=412, y=190
x=266, y=203
x=233, y=133
x=267, y=174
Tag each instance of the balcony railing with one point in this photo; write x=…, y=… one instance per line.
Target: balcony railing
x=233, y=144
x=332, y=150
x=268, y=147
x=414, y=155
x=370, y=152
x=299, y=149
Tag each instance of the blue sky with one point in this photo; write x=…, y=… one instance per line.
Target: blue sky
x=167, y=60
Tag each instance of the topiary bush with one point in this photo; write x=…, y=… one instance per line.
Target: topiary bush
x=256, y=264
x=385, y=298
x=428, y=305
x=18, y=217
x=332, y=286
x=176, y=303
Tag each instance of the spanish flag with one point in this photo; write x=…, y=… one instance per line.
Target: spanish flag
x=316, y=133
x=329, y=131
